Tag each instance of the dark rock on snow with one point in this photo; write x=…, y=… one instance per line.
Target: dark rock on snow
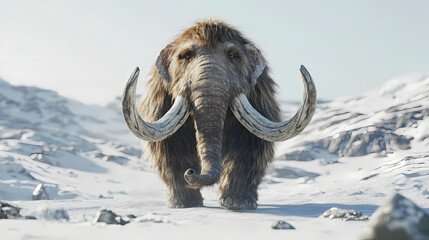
x=282, y=225
x=8, y=211
x=109, y=217
x=343, y=214
x=398, y=219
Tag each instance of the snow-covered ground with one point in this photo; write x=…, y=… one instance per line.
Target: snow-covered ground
x=356, y=152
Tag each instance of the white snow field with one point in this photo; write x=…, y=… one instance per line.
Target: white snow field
x=353, y=155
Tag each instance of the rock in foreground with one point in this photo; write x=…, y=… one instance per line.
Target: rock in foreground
x=343, y=214
x=399, y=219
x=8, y=211
x=109, y=217
x=282, y=225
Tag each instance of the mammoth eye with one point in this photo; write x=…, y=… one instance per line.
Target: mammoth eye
x=232, y=55
x=186, y=55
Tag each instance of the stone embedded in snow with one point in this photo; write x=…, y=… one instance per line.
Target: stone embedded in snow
x=8, y=211
x=40, y=193
x=109, y=217
x=50, y=214
x=344, y=214
x=398, y=219
x=282, y=225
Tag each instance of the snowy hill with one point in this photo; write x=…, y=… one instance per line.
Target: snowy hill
x=389, y=119
x=46, y=138
x=39, y=109
x=370, y=144
x=353, y=154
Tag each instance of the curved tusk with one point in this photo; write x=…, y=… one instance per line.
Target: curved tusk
x=155, y=131
x=277, y=131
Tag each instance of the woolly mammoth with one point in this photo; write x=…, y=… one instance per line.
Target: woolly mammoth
x=210, y=116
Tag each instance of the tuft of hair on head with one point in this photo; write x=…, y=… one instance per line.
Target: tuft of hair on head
x=210, y=32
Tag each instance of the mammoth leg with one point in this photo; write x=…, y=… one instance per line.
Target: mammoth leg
x=173, y=156
x=245, y=158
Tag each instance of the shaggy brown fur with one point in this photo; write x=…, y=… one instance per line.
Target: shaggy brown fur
x=244, y=156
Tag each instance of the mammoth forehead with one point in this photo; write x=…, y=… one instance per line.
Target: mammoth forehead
x=229, y=44
x=190, y=45
x=197, y=45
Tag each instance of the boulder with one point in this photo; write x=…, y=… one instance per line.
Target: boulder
x=344, y=214
x=398, y=219
x=8, y=211
x=109, y=217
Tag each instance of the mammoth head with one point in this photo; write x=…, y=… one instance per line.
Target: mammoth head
x=243, y=62
x=208, y=75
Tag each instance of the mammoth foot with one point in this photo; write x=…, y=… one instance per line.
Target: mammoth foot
x=233, y=203
x=185, y=204
x=186, y=199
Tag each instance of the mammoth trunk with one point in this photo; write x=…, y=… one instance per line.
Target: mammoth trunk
x=210, y=104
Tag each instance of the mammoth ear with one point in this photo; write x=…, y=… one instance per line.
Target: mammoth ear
x=257, y=62
x=162, y=62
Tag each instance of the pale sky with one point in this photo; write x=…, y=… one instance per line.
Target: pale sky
x=86, y=50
